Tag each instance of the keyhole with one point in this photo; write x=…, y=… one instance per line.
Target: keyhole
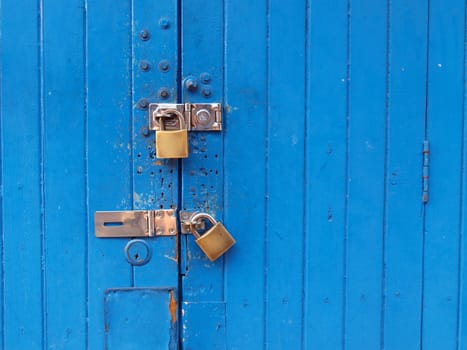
x=137, y=252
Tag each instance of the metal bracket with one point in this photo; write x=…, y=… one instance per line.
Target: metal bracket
x=185, y=222
x=135, y=223
x=198, y=116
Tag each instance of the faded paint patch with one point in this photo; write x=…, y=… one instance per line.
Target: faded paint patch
x=137, y=199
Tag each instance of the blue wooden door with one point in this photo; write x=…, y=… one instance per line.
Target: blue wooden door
x=350, y=232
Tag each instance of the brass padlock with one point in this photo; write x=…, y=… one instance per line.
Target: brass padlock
x=172, y=143
x=215, y=241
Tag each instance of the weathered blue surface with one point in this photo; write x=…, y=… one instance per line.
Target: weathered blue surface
x=317, y=174
x=124, y=308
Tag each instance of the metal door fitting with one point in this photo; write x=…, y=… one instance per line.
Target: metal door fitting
x=135, y=223
x=197, y=116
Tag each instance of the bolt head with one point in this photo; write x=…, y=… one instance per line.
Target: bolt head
x=164, y=65
x=144, y=66
x=205, y=77
x=191, y=84
x=143, y=103
x=144, y=34
x=206, y=92
x=164, y=93
x=164, y=23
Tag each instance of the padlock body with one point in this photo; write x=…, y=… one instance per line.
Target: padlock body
x=172, y=143
x=215, y=242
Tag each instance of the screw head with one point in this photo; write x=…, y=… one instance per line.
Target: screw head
x=164, y=66
x=206, y=92
x=143, y=103
x=205, y=77
x=144, y=66
x=191, y=84
x=164, y=93
x=144, y=34
x=145, y=131
x=164, y=23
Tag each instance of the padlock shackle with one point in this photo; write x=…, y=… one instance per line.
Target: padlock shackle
x=166, y=113
x=194, y=221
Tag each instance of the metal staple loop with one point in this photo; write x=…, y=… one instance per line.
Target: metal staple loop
x=169, y=113
x=196, y=220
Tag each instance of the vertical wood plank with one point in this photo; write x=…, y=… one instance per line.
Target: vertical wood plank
x=462, y=308
x=109, y=106
x=444, y=131
x=326, y=173
x=285, y=175
x=2, y=249
x=22, y=210
x=202, y=172
x=404, y=214
x=202, y=187
x=155, y=181
x=245, y=118
x=64, y=174
x=366, y=166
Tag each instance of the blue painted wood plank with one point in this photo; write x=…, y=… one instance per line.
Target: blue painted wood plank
x=64, y=175
x=285, y=176
x=22, y=226
x=204, y=323
x=109, y=106
x=326, y=173
x=2, y=250
x=202, y=172
x=366, y=166
x=130, y=323
x=404, y=214
x=444, y=131
x=245, y=99
x=462, y=308
x=155, y=181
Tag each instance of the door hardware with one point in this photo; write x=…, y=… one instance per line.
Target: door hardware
x=215, y=241
x=197, y=116
x=135, y=223
x=171, y=143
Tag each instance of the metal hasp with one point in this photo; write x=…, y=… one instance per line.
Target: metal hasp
x=135, y=223
x=197, y=116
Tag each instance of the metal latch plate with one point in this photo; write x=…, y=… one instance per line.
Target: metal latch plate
x=135, y=223
x=198, y=116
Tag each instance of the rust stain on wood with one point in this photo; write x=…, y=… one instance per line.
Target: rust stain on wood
x=173, y=307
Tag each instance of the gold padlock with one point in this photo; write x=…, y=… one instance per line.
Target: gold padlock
x=172, y=143
x=216, y=241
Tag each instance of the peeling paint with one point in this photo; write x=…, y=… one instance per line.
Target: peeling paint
x=170, y=258
x=137, y=199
